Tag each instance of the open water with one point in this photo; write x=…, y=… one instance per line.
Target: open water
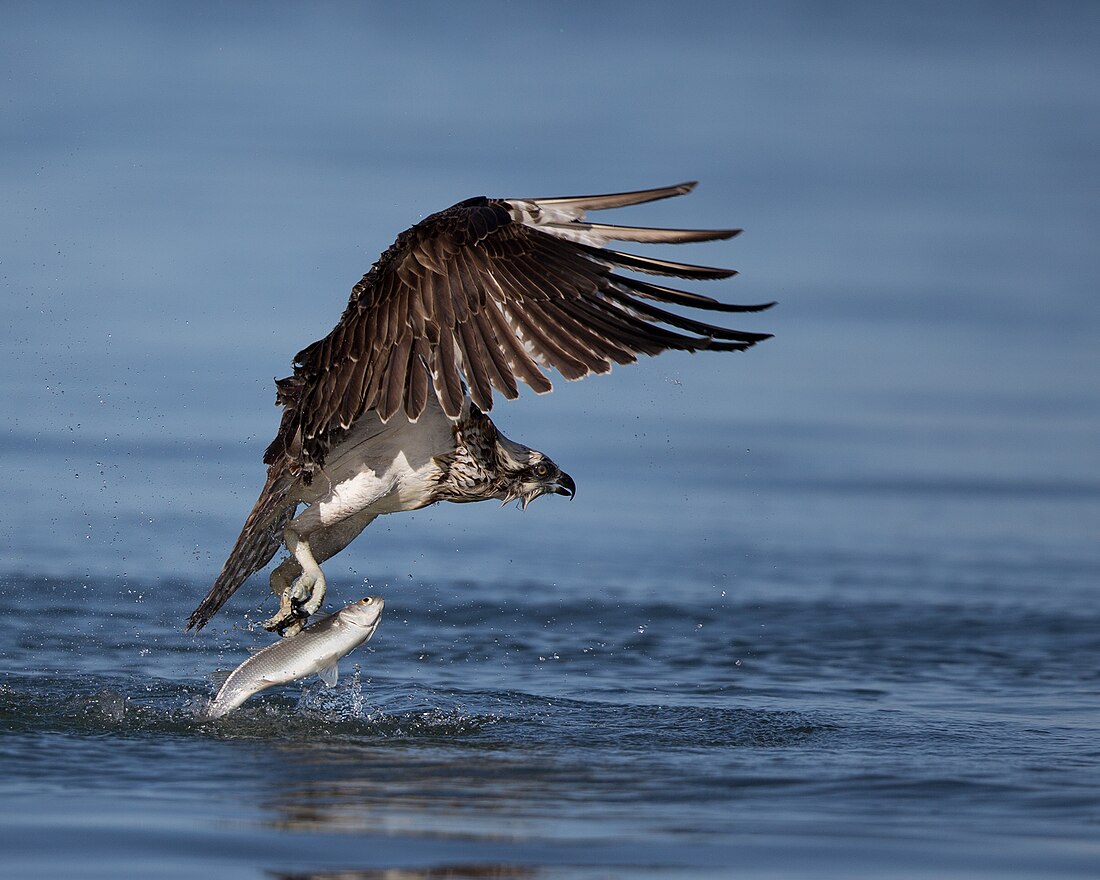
x=830, y=608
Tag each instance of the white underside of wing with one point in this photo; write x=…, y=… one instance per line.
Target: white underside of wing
x=560, y=222
x=524, y=339
x=565, y=218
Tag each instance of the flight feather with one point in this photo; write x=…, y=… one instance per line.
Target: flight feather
x=487, y=294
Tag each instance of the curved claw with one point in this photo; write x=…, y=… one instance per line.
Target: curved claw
x=303, y=597
x=289, y=619
x=297, y=603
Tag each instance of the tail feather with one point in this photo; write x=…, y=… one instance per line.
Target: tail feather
x=259, y=540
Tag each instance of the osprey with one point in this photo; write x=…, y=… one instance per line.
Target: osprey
x=388, y=412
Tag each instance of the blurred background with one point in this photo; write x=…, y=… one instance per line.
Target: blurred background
x=191, y=191
x=829, y=603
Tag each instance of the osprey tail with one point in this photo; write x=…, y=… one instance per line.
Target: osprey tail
x=259, y=540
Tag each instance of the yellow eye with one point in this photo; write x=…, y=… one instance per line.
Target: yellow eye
x=541, y=470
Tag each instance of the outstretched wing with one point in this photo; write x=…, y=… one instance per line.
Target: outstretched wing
x=491, y=292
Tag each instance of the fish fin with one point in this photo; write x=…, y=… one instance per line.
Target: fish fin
x=329, y=675
x=219, y=676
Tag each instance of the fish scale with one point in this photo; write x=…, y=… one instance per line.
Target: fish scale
x=316, y=649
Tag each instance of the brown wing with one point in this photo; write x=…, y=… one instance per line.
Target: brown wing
x=489, y=293
x=260, y=539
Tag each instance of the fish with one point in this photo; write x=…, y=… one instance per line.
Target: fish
x=316, y=649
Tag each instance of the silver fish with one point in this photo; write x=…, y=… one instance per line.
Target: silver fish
x=316, y=649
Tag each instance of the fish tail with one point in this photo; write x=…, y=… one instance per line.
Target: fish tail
x=259, y=540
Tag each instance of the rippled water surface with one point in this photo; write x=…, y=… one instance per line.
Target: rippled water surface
x=854, y=710
x=828, y=608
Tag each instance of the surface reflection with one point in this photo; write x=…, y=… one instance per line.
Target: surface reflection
x=462, y=793
x=538, y=769
x=438, y=872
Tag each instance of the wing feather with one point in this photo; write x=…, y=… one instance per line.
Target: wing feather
x=260, y=539
x=416, y=392
x=443, y=305
x=577, y=205
x=520, y=362
x=392, y=390
x=605, y=232
x=499, y=373
x=653, y=266
x=683, y=297
x=445, y=374
x=490, y=293
x=475, y=365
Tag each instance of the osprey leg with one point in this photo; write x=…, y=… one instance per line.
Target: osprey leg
x=303, y=597
x=324, y=543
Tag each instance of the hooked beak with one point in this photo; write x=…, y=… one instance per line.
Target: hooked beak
x=565, y=486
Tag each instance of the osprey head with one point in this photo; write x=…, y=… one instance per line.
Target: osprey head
x=526, y=474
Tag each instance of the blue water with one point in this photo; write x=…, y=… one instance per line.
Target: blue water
x=828, y=608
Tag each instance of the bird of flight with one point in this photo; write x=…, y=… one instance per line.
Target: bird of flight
x=389, y=411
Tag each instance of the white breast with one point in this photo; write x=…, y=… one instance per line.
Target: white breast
x=384, y=467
